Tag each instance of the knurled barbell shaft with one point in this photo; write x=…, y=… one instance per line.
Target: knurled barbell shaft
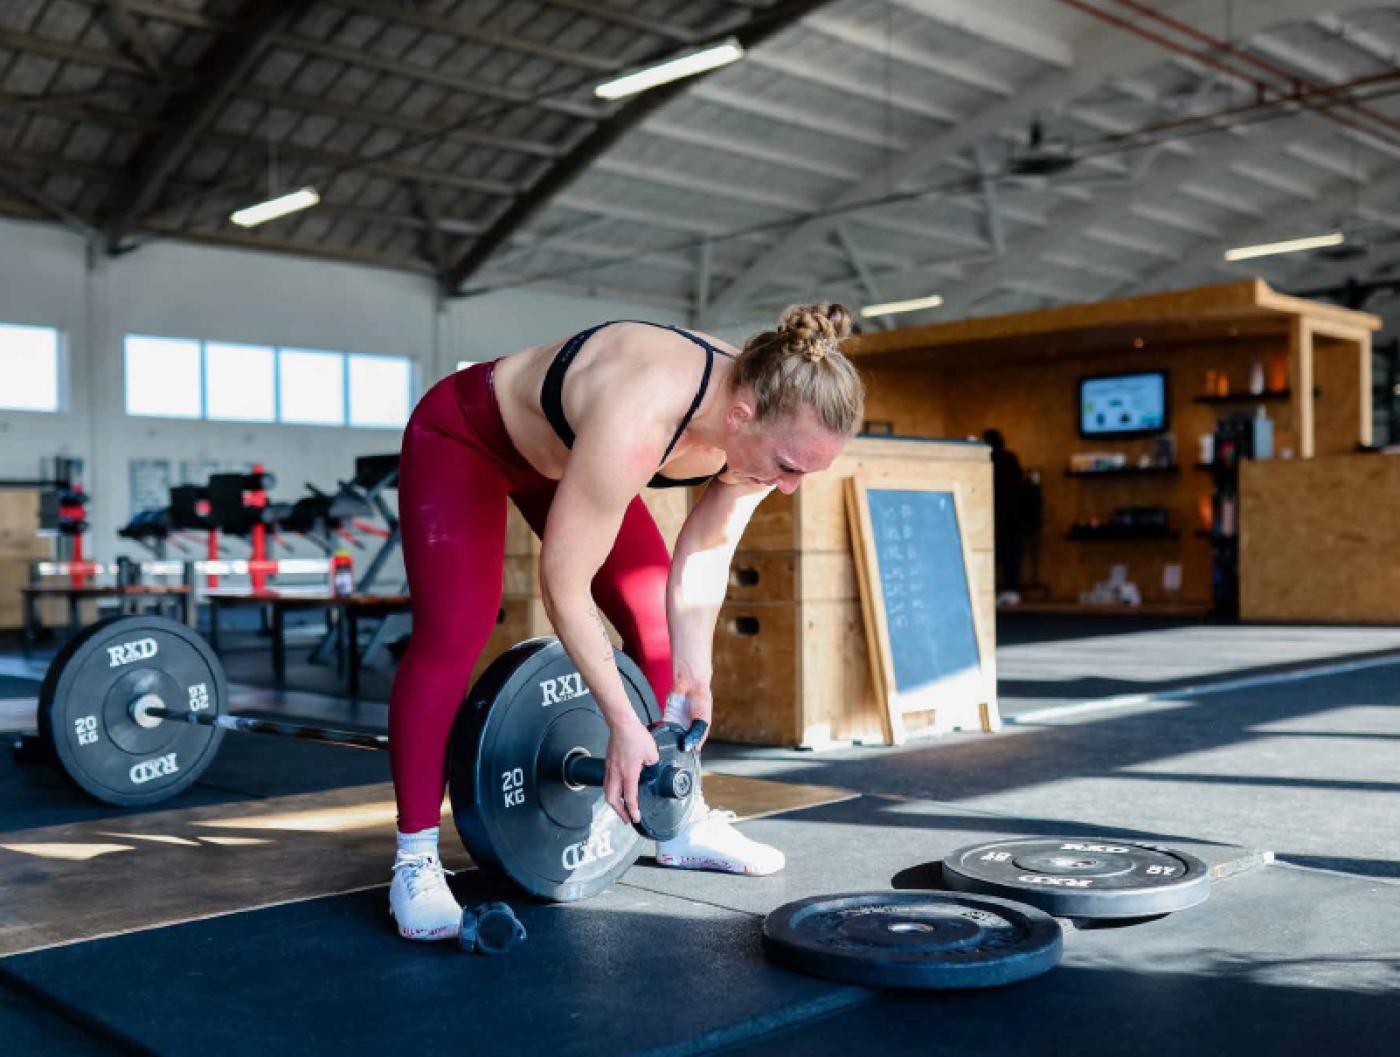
x=352, y=738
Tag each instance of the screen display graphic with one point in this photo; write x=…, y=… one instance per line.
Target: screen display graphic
x=1123, y=404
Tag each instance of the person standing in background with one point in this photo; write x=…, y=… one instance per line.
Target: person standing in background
x=1007, y=485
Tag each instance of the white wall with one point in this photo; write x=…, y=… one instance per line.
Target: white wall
x=176, y=290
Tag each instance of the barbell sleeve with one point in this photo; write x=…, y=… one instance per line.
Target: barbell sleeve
x=670, y=781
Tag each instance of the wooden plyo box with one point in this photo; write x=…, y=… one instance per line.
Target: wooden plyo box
x=791, y=661
x=19, y=526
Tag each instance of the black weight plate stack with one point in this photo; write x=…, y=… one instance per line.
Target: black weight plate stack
x=928, y=940
x=86, y=701
x=1094, y=878
x=516, y=815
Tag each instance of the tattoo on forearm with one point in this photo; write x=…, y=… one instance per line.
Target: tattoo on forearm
x=603, y=630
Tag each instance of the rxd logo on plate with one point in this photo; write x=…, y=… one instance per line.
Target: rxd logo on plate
x=148, y=770
x=131, y=652
x=564, y=688
x=598, y=846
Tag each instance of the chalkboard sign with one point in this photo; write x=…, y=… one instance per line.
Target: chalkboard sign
x=919, y=603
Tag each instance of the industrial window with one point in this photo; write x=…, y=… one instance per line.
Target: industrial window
x=223, y=382
x=29, y=365
x=311, y=387
x=380, y=391
x=240, y=383
x=164, y=377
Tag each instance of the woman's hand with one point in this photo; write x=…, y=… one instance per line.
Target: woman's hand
x=689, y=700
x=630, y=748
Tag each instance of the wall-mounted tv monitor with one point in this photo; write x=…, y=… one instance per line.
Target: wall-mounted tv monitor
x=1123, y=405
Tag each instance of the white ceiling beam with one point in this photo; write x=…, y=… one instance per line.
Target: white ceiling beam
x=1114, y=126
x=1209, y=255
x=1170, y=219
x=1013, y=29
x=1303, y=62
x=1045, y=286
x=871, y=37
x=702, y=185
x=1131, y=243
x=688, y=222
x=1220, y=153
x=877, y=257
x=1376, y=142
x=1280, y=181
x=678, y=261
x=995, y=233
x=1223, y=198
x=1380, y=217
x=921, y=229
x=1073, y=262
x=1372, y=44
x=1006, y=189
x=1101, y=54
x=801, y=68
x=762, y=150
x=590, y=289
x=812, y=121
x=867, y=282
x=848, y=287
x=1327, y=161
x=702, y=280
x=872, y=292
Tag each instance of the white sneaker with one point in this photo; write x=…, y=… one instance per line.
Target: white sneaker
x=420, y=901
x=712, y=843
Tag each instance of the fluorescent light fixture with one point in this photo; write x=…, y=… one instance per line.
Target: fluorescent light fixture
x=276, y=207
x=889, y=308
x=672, y=70
x=1268, y=249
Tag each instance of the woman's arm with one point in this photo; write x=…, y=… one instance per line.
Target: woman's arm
x=699, y=581
x=611, y=461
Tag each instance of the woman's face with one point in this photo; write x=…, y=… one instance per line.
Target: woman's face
x=780, y=452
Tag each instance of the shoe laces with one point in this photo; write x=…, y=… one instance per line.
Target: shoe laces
x=421, y=872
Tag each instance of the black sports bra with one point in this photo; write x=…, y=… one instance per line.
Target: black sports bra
x=552, y=394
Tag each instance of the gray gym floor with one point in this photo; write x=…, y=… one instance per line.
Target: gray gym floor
x=1231, y=742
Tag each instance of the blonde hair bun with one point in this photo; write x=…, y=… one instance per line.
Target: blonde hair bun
x=812, y=330
x=800, y=364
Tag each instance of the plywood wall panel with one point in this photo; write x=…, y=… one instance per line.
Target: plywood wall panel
x=1319, y=540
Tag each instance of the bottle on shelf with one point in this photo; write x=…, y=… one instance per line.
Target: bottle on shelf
x=1263, y=434
x=1256, y=377
x=342, y=574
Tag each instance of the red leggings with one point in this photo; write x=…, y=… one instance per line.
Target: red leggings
x=458, y=468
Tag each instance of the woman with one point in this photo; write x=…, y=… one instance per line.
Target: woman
x=571, y=432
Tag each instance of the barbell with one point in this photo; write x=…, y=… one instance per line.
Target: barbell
x=134, y=709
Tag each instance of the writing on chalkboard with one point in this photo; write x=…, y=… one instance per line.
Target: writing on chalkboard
x=919, y=552
x=919, y=604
